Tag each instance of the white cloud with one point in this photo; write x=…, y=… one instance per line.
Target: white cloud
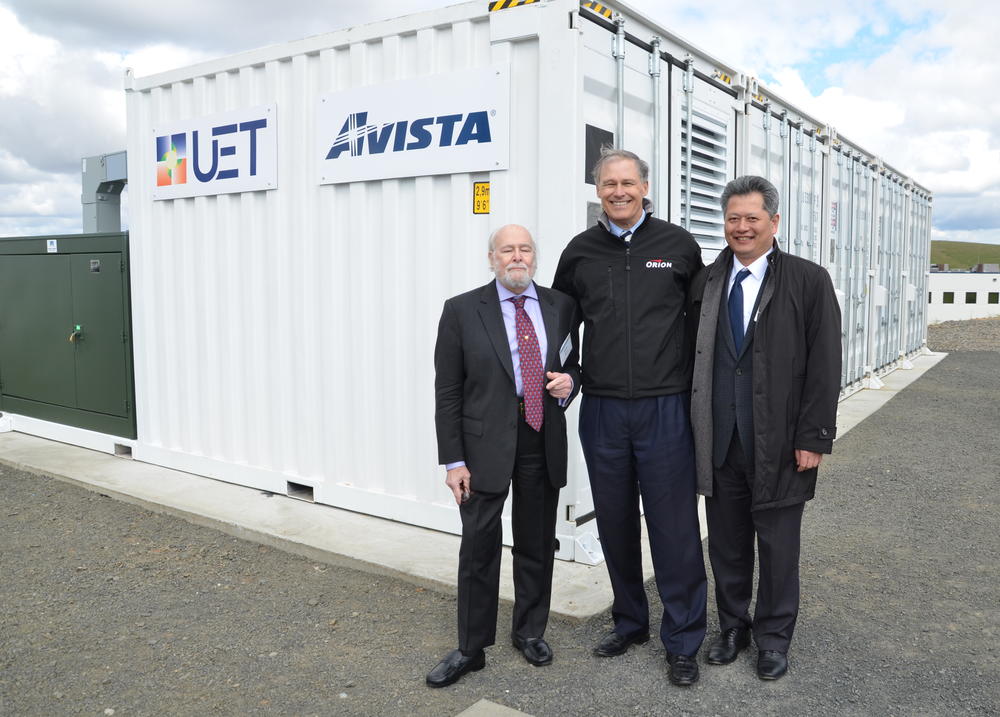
x=760, y=40
x=161, y=57
x=22, y=53
x=42, y=198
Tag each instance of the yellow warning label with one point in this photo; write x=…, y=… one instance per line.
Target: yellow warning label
x=597, y=7
x=504, y=4
x=480, y=197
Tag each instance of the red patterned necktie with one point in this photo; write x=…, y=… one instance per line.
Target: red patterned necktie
x=531, y=364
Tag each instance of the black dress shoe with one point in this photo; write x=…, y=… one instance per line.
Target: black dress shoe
x=614, y=644
x=535, y=649
x=683, y=670
x=453, y=666
x=771, y=664
x=728, y=646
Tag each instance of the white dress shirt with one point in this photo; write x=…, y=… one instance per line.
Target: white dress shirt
x=751, y=285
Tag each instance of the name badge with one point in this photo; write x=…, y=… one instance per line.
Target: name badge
x=564, y=350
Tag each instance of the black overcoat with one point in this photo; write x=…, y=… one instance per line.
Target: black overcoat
x=796, y=373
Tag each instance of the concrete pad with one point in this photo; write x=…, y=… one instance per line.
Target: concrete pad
x=340, y=537
x=485, y=708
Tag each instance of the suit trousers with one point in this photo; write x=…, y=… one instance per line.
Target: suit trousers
x=732, y=527
x=643, y=447
x=533, y=521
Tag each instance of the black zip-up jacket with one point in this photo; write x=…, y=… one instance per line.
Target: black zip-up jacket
x=631, y=298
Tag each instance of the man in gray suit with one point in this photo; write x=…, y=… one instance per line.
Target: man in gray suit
x=505, y=370
x=763, y=411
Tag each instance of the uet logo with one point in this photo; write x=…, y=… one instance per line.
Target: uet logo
x=405, y=135
x=171, y=159
x=171, y=165
x=658, y=264
x=224, y=153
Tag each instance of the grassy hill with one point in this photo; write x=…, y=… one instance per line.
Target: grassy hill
x=964, y=254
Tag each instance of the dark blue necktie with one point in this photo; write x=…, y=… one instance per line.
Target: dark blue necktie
x=736, y=308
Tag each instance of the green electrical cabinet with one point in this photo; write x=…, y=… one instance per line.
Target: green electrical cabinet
x=65, y=331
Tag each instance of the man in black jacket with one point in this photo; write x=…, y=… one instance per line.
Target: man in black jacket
x=764, y=411
x=630, y=275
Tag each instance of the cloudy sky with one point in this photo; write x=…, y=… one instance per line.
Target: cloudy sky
x=911, y=80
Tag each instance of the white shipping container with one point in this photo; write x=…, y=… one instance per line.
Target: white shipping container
x=284, y=336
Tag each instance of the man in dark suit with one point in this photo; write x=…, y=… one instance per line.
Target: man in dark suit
x=505, y=369
x=764, y=411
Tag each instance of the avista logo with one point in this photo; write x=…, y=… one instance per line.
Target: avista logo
x=407, y=135
x=658, y=264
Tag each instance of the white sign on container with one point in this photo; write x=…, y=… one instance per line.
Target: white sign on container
x=439, y=124
x=217, y=154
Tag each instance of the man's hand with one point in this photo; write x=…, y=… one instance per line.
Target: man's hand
x=560, y=385
x=807, y=459
x=459, y=480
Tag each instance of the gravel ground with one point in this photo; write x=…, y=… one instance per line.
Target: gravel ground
x=110, y=607
x=975, y=335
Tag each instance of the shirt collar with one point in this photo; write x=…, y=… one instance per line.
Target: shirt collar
x=758, y=268
x=618, y=231
x=506, y=293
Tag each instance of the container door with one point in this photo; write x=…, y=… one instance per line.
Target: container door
x=36, y=320
x=98, y=310
x=801, y=217
x=889, y=272
x=840, y=254
x=864, y=241
x=769, y=149
x=917, y=267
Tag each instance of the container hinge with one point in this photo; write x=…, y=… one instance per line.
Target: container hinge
x=124, y=337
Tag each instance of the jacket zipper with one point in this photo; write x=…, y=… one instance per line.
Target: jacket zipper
x=628, y=310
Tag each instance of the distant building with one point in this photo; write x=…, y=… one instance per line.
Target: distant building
x=986, y=268
x=958, y=296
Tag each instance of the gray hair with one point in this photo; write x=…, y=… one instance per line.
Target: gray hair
x=610, y=154
x=492, y=243
x=751, y=184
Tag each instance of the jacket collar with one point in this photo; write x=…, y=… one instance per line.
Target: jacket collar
x=647, y=206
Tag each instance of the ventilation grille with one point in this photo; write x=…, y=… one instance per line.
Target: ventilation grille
x=709, y=174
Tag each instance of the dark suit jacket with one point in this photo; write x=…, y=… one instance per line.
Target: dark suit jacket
x=476, y=410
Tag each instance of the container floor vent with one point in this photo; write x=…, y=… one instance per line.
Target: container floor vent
x=302, y=492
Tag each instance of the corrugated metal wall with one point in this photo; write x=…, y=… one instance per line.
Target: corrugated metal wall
x=288, y=335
